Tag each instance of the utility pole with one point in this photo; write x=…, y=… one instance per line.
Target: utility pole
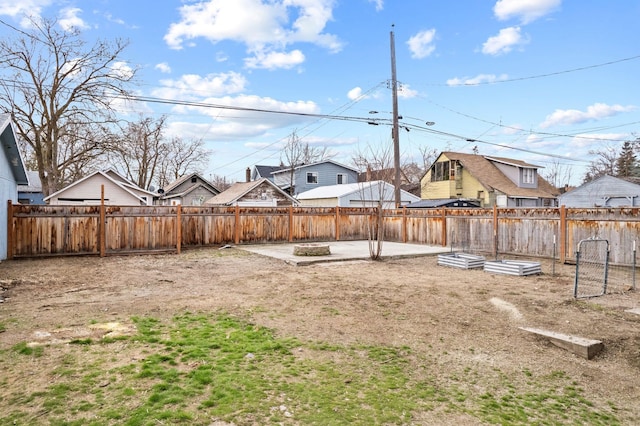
x=394, y=132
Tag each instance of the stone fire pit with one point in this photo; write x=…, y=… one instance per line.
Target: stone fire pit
x=311, y=249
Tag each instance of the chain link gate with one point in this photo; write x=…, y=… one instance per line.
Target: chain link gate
x=592, y=268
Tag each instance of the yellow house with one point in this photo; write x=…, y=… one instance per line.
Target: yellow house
x=504, y=182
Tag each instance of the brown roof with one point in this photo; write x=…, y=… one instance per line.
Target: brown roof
x=491, y=177
x=240, y=189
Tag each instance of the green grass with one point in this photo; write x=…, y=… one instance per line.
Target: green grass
x=198, y=368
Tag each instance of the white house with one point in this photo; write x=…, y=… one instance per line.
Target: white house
x=12, y=174
x=363, y=194
x=118, y=191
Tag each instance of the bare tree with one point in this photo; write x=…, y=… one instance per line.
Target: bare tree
x=374, y=193
x=557, y=174
x=603, y=164
x=138, y=150
x=220, y=182
x=182, y=156
x=54, y=85
x=291, y=157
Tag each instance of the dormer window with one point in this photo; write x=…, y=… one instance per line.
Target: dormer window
x=528, y=176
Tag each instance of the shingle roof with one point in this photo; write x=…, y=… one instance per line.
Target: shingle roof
x=236, y=191
x=491, y=177
x=167, y=189
x=266, y=171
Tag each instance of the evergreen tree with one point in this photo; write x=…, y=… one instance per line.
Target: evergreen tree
x=626, y=164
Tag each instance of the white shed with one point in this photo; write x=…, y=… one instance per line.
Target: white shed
x=362, y=194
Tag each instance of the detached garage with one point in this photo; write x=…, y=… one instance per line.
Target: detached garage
x=362, y=194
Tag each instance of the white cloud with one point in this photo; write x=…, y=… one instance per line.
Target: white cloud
x=355, y=93
x=421, y=45
x=263, y=26
x=406, y=92
x=20, y=9
x=239, y=117
x=503, y=42
x=275, y=60
x=526, y=10
x=479, y=79
x=163, y=67
x=379, y=4
x=69, y=19
x=573, y=116
x=123, y=70
x=193, y=86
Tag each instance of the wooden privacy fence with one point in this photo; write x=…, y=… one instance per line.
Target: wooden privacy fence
x=102, y=230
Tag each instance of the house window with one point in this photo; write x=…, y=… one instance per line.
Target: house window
x=312, y=177
x=528, y=176
x=440, y=171
x=341, y=178
x=194, y=179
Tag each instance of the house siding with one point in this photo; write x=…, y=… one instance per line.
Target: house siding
x=447, y=189
x=8, y=191
x=89, y=192
x=272, y=197
x=327, y=175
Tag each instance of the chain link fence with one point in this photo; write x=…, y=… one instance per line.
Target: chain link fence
x=592, y=273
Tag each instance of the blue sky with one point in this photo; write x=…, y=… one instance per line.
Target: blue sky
x=543, y=81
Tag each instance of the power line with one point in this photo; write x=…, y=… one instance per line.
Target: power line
x=531, y=77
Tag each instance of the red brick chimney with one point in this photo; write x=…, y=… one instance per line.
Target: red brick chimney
x=248, y=174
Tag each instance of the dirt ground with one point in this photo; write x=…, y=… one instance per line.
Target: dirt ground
x=467, y=317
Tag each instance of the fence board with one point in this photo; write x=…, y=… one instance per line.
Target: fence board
x=64, y=230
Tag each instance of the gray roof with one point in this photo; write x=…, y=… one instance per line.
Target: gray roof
x=167, y=189
x=266, y=171
x=35, y=185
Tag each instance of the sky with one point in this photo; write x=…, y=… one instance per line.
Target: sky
x=542, y=81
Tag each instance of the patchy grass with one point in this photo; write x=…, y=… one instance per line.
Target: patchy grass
x=199, y=368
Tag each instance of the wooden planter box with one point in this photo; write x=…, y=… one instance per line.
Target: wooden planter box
x=513, y=267
x=461, y=260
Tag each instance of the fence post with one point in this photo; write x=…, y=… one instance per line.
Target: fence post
x=563, y=233
x=9, y=230
x=337, y=223
x=291, y=223
x=179, y=228
x=404, y=224
x=495, y=231
x=443, y=237
x=102, y=228
x=237, y=225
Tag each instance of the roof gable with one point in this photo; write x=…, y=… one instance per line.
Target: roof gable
x=111, y=176
x=9, y=145
x=238, y=190
x=200, y=181
x=606, y=185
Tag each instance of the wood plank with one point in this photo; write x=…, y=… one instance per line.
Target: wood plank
x=586, y=348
